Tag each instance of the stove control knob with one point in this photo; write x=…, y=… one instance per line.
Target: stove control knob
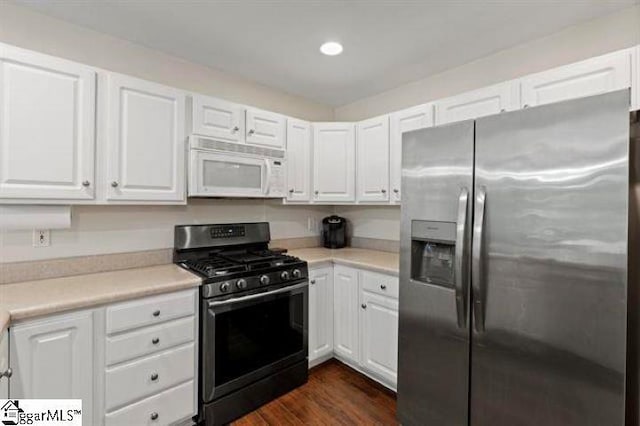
x=241, y=283
x=296, y=273
x=264, y=279
x=284, y=275
x=224, y=287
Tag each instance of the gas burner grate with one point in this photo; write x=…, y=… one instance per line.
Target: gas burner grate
x=216, y=267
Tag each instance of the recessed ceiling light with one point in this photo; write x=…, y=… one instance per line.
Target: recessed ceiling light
x=331, y=48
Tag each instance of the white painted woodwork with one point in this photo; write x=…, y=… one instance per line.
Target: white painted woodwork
x=265, y=128
x=47, y=127
x=334, y=151
x=477, y=103
x=217, y=118
x=129, y=382
x=4, y=364
x=635, y=80
x=320, y=313
x=170, y=406
x=150, y=310
x=145, y=140
x=382, y=284
x=415, y=118
x=298, y=160
x=149, y=340
x=379, y=336
x=587, y=78
x=346, y=312
x=53, y=358
x=373, y=159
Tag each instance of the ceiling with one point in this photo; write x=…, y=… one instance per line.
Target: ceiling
x=275, y=42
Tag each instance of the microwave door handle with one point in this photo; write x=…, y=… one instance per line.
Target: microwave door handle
x=267, y=184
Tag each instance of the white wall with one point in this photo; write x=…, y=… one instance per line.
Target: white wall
x=119, y=229
x=25, y=28
x=592, y=38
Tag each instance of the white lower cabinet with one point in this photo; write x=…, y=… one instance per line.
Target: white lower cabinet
x=320, y=314
x=5, y=372
x=131, y=363
x=345, y=309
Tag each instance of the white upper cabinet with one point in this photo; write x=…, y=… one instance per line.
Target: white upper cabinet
x=334, y=160
x=373, y=159
x=145, y=140
x=217, y=118
x=298, y=160
x=404, y=121
x=320, y=313
x=478, y=103
x=591, y=77
x=635, y=80
x=265, y=128
x=47, y=127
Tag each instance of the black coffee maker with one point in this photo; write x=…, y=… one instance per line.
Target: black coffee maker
x=334, y=232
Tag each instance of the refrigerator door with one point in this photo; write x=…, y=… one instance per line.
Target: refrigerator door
x=433, y=364
x=549, y=266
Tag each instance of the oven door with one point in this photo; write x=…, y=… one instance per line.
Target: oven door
x=215, y=174
x=250, y=337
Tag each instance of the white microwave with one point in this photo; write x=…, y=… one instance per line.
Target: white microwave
x=222, y=169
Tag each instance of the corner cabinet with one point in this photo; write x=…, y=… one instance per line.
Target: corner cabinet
x=334, y=161
x=47, y=127
x=53, y=358
x=320, y=314
x=373, y=160
x=403, y=121
x=478, y=103
x=144, y=138
x=298, y=160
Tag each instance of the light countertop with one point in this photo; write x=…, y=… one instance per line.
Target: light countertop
x=378, y=261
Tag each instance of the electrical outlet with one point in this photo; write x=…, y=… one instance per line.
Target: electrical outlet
x=41, y=238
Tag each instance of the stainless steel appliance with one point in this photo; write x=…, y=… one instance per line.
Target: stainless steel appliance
x=223, y=169
x=334, y=232
x=253, y=317
x=513, y=268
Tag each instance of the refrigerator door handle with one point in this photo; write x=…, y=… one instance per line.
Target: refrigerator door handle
x=476, y=271
x=461, y=277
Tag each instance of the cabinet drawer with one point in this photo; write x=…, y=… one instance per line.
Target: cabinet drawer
x=164, y=408
x=385, y=285
x=152, y=310
x=148, y=376
x=149, y=340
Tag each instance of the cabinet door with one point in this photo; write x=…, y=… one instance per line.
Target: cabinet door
x=373, y=159
x=478, y=103
x=635, y=80
x=217, y=118
x=4, y=364
x=404, y=121
x=379, y=336
x=591, y=77
x=145, y=140
x=47, y=127
x=53, y=359
x=298, y=160
x=320, y=313
x=334, y=161
x=265, y=128
x=345, y=310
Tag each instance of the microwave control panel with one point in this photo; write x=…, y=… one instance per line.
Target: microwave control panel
x=277, y=184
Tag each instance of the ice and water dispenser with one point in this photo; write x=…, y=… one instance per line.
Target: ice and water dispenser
x=433, y=246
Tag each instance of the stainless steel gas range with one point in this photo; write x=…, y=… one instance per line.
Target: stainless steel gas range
x=253, y=317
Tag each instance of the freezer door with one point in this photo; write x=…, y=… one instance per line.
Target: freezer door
x=433, y=362
x=549, y=265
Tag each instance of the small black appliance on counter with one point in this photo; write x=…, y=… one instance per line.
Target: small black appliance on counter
x=334, y=232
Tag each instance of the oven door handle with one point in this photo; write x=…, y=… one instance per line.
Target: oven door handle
x=214, y=303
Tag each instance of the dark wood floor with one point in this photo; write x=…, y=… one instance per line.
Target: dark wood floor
x=334, y=395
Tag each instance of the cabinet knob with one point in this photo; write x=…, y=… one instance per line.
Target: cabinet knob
x=364, y=306
x=525, y=106
x=251, y=131
x=312, y=282
x=384, y=191
x=7, y=373
x=155, y=340
x=396, y=190
x=383, y=287
x=235, y=129
x=291, y=191
x=114, y=184
x=156, y=313
x=86, y=183
x=154, y=416
x=154, y=377
x=316, y=192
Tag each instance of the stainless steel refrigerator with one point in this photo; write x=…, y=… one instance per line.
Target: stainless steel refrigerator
x=513, y=268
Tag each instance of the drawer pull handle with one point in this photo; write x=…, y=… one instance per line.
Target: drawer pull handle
x=312, y=282
x=154, y=377
x=156, y=313
x=364, y=306
x=383, y=287
x=154, y=416
x=155, y=340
